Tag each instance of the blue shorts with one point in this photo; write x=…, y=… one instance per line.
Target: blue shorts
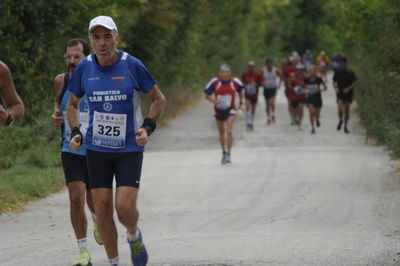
x=126, y=166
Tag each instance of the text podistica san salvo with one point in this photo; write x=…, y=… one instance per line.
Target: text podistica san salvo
x=107, y=96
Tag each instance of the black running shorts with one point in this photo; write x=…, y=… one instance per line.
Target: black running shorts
x=295, y=103
x=126, y=166
x=222, y=115
x=75, y=168
x=269, y=93
x=315, y=100
x=252, y=100
x=347, y=98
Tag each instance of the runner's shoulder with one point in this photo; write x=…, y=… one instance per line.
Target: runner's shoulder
x=237, y=81
x=212, y=82
x=59, y=78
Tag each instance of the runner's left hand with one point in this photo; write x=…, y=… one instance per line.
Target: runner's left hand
x=141, y=137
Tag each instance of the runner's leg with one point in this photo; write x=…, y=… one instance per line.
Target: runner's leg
x=221, y=132
x=77, y=190
x=346, y=115
x=229, y=132
x=125, y=205
x=248, y=112
x=272, y=103
x=253, y=112
x=340, y=113
x=103, y=205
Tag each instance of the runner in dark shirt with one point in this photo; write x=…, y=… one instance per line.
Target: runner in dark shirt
x=344, y=82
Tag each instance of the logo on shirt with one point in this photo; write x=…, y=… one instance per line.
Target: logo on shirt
x=107, y=106
x=94, y=78
x=117, y=81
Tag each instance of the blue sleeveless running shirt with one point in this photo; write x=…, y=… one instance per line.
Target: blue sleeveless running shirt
x=114, y=101
x=66, y=131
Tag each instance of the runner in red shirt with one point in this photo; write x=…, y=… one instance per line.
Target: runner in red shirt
x=251, y=81
x=221, y=91
x=290, y=68
x=297, y=95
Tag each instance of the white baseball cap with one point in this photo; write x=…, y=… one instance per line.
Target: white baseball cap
x=105, y=21
x=251, y=63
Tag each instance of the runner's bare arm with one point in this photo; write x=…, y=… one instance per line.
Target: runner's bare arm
x=73, y=120
x=351, y=87
x=14, y=106
x=158, y=103
x=281, y=78
x=58, y=85
x=211, y=99
x=324, y=85
x=73, y=111
x=241, y=98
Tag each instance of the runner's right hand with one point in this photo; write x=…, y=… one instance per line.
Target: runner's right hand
x=57, y=119
x=75, y=143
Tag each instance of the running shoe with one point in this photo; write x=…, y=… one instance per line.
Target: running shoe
x=346, y=130
x=273, y=120
x=293, y=122
x=248, y=127
x=223, y=160
x=313, y=131
x=138, y=251
x=96, y=235
x=251, y=127
x=269, y=122
x=228, y=158
x=300, y=127
x=339, y=126
x=83, y=259
x=318, y=123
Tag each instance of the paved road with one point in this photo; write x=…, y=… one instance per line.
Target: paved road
x=289, y=198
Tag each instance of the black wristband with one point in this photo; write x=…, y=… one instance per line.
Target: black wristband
x=76, y=131
x=150, y=125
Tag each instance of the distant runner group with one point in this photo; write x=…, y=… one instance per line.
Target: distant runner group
x=304, y=80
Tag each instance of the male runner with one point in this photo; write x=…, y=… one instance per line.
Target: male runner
x=270, y=74
x=112, y=80
x=308, y=59
x=251, y=80
x=323, y=64
x=287, y=71
x=336, y=62
x=74, y=163
x=344, y=81
x=297, y=94
x=14, y=107
x=224, y=88
x=314, y=100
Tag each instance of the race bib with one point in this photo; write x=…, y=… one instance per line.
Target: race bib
x=251, y=89
x=322, y=63
x=298, y=90
x=84, y=120
x=224, y=101
x=109, y=130
x=312, y=88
